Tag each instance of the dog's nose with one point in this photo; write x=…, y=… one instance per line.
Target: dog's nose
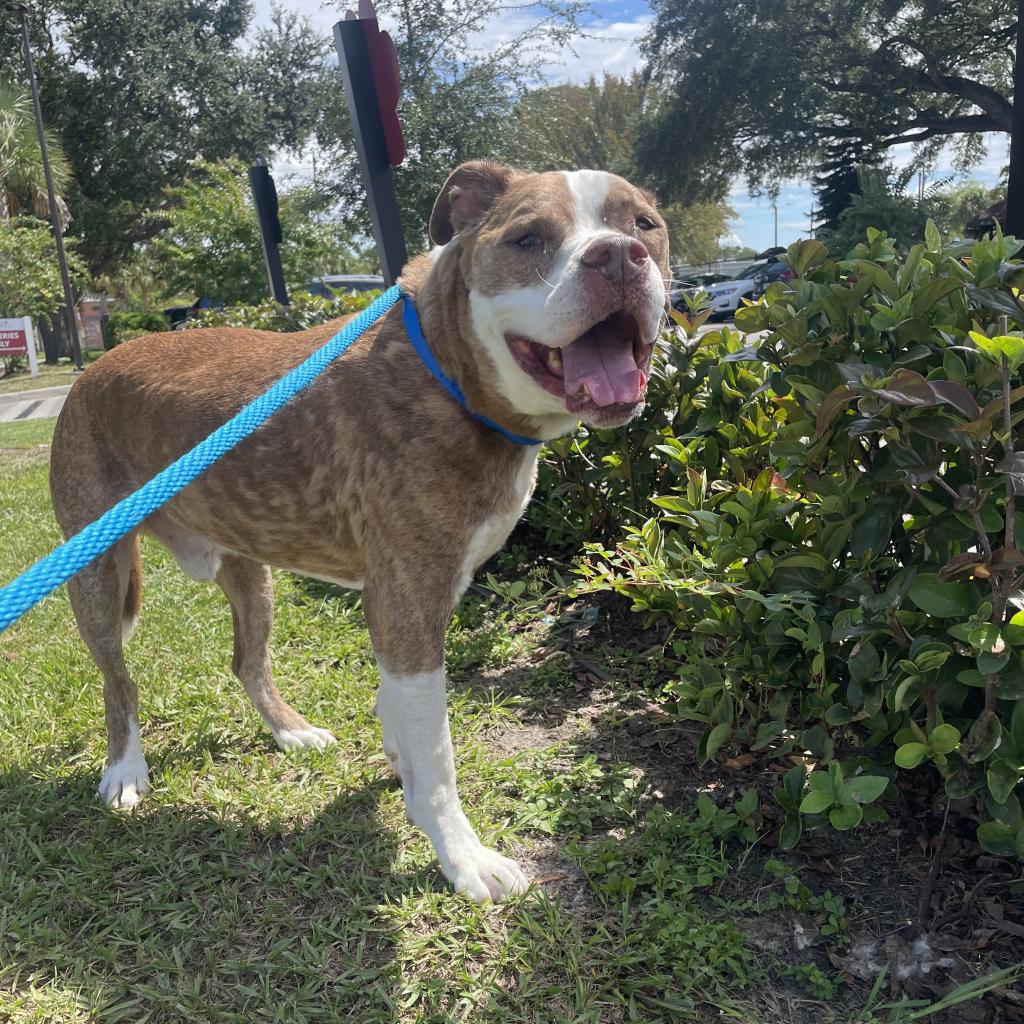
x=616, y=258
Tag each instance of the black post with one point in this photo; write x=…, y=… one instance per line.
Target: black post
x=21, y=9
x=350, y=39
x=264, y=194
x=1015, y=183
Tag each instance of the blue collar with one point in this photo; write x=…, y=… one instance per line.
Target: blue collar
x=419, y=343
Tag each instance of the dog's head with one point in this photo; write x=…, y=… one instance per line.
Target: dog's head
x=565, y=275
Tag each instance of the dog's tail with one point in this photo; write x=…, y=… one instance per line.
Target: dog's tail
x=133, y=598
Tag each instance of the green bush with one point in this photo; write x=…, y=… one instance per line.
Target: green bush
x=125, y=325
x=304, y=311
x=595, y=482
x=837, y=535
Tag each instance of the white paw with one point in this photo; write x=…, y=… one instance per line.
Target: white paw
x=304, y=738
x=124, y=783
x=483, y=875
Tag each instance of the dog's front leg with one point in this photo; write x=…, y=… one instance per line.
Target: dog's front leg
x=412, y=708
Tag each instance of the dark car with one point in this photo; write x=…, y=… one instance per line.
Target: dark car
x=776, y=270
x=327, y=286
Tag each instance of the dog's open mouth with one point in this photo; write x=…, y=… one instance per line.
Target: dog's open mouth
x=606, y=366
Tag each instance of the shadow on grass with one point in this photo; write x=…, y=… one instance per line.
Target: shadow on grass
x=186, y=913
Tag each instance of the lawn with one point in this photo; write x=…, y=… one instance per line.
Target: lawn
x=257, y=886
x=49, y=376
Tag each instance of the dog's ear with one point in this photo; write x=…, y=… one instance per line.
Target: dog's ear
x=468, y=194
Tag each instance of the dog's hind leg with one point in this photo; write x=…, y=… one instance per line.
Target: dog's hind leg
x=105, y=599
x=249, y=590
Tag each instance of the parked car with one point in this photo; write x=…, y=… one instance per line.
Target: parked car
x=180, y=315
x=750, y=283
x=327, y=286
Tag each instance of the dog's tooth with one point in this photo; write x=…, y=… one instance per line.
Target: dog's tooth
x=554, y=359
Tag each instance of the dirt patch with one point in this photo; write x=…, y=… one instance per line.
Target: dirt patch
x=972, y=925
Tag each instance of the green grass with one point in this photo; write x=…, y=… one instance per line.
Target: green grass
x=49, y=376
x=256, y=886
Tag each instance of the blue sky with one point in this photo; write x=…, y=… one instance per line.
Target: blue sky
x=612, y=45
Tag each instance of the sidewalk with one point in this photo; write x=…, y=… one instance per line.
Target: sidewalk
x=32, y=405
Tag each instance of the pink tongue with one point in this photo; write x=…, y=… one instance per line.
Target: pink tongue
x=602, y=364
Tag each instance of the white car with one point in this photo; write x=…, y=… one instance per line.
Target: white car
x=726, y=297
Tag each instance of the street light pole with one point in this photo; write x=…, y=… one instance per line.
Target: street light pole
x=21, y=10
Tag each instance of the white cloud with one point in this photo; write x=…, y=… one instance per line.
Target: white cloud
x=323, y=16
x=612, y=49
x=607, y=46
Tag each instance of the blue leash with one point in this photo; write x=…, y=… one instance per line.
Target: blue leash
x=60, y=565
x=78, y=551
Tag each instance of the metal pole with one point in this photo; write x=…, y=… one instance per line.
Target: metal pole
x=21, y=9
x=1015, y=182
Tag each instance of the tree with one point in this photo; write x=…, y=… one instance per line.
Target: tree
x=763, y=89
x=695, y=232
x=212, y=244
x=952, y=209
x=597, y=125
x=139, y=89
x=30, y=283
x=593, y=125
x=837, y=180
x=22, y=181
x=459, y=91
x=883, y=200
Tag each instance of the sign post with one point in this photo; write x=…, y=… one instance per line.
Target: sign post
x=369, y=65
x=264, y=194
x=18, y=339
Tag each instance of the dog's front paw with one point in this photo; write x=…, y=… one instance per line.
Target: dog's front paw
x=124, y=784
x=303, y=738
x=484, y=874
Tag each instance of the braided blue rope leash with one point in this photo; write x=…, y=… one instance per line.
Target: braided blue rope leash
x=60, y=565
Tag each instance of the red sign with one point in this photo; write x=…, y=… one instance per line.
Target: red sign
x=13, y=340
x=384, y=67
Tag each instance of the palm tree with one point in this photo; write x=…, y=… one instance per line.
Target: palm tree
x=21, y=163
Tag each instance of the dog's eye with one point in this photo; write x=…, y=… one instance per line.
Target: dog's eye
x=645, y=223
x=527, y=241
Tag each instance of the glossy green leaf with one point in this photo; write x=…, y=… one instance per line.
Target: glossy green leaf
x=1014, y=631
x=998, y=838
x=1002, y=778
x=789, y=834
x=715, y=738
x=910, y=755
x=845, y=817
x=873, y=530
x=816, y=801
x=1004, y=346
x=943, y=600
x=865, y=788
x=944, y=738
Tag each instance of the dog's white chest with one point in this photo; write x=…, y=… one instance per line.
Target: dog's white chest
x=491, y=534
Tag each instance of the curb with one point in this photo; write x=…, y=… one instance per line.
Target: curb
x=35, y=394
